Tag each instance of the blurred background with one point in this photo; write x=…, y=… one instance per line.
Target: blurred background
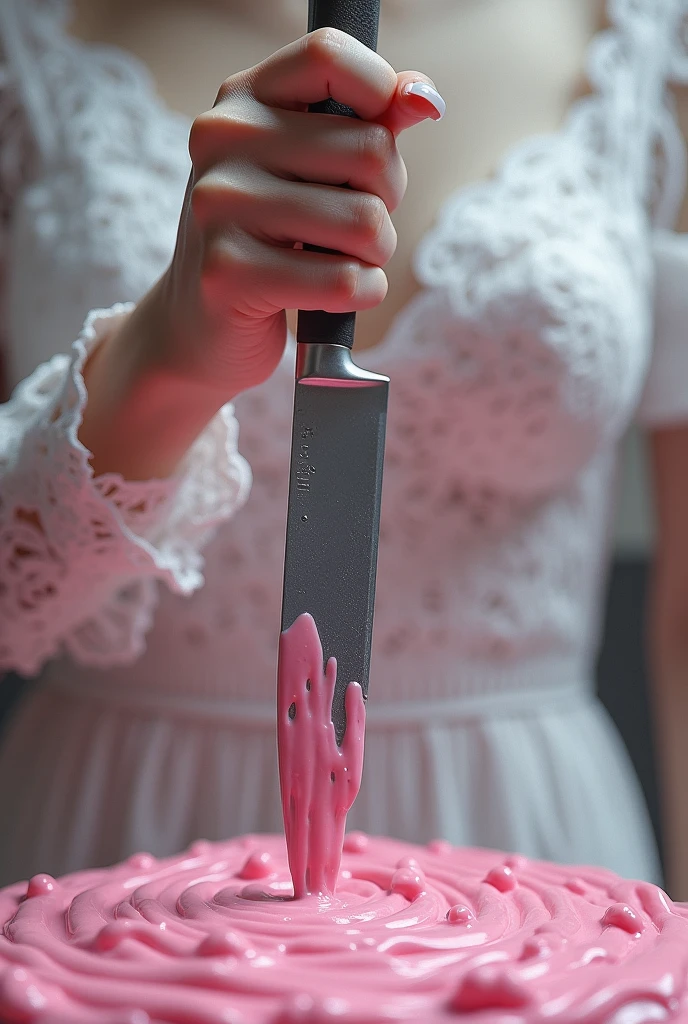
x=622, y=669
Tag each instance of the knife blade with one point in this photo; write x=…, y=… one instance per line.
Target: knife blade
x=337, y=453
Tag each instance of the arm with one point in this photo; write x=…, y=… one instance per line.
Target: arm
x=262, y=181
x=130, y=399
x=669, y=642
x=666, y=413
x=85, y=533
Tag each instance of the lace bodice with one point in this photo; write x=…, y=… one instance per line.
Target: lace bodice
x=514, y=371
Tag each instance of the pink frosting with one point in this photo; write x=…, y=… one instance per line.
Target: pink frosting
x=425, y=934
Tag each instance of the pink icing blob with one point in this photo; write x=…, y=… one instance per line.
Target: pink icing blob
x=319, y=781
x=412, y=934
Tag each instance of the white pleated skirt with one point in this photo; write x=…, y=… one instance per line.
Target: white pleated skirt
x=88, y=779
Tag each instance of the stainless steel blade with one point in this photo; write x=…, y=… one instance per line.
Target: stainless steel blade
x=334, y=508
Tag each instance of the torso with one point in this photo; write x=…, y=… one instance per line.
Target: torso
x=516, y=366
x=514, y=64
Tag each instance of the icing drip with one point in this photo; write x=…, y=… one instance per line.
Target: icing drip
x=414, y=934
x=319, y=781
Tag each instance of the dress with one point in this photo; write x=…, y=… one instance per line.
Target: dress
x=515, y=372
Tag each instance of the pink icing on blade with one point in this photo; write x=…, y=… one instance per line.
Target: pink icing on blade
x=319, y=781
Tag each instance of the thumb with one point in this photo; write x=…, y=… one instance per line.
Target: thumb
x=415, y=99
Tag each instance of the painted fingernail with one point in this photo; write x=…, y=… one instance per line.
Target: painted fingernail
x=426, y=92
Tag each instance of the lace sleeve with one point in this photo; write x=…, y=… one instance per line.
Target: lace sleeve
x=80, y=556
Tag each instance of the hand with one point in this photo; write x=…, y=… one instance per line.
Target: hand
x=265, y=177
x=265, y=180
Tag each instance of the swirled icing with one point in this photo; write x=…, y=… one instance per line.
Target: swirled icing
x=426, y=934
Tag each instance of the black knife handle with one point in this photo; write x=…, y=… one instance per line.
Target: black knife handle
x=360, y=19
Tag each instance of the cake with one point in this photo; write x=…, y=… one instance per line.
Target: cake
x=426, y=934
x=317, y=927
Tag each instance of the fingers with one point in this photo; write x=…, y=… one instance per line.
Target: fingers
x=259, y=119
x=266, y=173
x=308, y=147
x=415, y=99
x=256, y=279
x=341, y=151
x=325, y=63
x=356, y=224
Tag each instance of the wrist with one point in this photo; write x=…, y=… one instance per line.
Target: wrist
x=142, y=415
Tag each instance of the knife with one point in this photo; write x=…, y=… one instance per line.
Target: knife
x=337, y=453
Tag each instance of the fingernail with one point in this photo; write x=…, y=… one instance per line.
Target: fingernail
x=426, y=92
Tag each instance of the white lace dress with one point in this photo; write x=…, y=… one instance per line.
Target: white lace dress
x=515, y=372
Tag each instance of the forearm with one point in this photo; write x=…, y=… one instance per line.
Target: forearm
x=669, y=643
x=671, y=714
x=141, y=417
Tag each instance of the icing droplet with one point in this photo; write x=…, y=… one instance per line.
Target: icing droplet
x=41, y=885
x=408, y=883
x=409, y=862
x=200, y=848
x=516, y=862
x=460, y=915
x=223, y=943
x=257, y=865
x=355, y=842
x=620, y=915
x=439, y=846
x=501, y=878
x=489, y=987
x=141, y=861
